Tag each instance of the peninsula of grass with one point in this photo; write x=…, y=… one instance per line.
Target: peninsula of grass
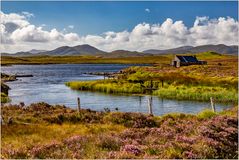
x=56, y=132
x=5, y=88
x=218, y=80
x=179, y=92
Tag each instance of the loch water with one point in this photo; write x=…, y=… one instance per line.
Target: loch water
x=48, y=85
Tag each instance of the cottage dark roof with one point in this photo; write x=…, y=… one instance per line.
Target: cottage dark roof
x=187, y=58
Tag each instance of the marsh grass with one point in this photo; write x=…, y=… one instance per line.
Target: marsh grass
x=108, y=86
x=171, y=91
x=196, y=82
x=206, y=114
x=4, y=98
x=200, y=93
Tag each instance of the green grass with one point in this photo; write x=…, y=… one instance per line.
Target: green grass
x=156, y=59
x=4, y=92
x=8, y=60
x=4, y=98
x=108, y=86
x=206, y=114
x=200, y=93
x=218, y=79
x=172, y=91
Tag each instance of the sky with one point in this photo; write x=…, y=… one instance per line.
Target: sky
x=116, y=25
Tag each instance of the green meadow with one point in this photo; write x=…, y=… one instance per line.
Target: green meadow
x=8, y=60
x=217, y=79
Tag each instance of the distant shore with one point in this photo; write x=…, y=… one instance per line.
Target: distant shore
x=42, y=60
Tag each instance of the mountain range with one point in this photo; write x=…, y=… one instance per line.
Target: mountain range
x=86, y=49
x=220, y=48
x=76, y=50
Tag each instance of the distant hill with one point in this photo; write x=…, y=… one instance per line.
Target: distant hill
x=18, y=54
x=24, y=54
x=86, y=49
x=35, y=51
x=173, y=50
x=125, y=53
x=220, y=48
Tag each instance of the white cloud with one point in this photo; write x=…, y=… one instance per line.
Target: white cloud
x=28, y=14
x=43, y=25
x=17, y=34
x=147, y=10
x=71, y=26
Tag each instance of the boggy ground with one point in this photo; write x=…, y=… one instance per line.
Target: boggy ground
x=217, y=79
x=45, y=131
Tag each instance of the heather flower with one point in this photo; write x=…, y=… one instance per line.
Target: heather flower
x=73, y=142
x=221, y=133
x=109, y=142
x=134, y=133
x=46, y=150
x=132, y=149
x=112, y=154
x=9, y=152
x=190, y=155
x=74, y=139
x=184, y=139
x=209, y=141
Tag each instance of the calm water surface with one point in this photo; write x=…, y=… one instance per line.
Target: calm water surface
x=47, y=84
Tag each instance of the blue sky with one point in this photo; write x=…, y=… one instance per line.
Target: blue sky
x=99, y=17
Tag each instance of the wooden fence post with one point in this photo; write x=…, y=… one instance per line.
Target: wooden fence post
x=150, y=100
x=151, y=84
x=212, y=104
x=78, y=102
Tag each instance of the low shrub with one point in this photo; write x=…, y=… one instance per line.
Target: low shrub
x=206, y=114
x=221, y=132
x=135, y=120
x=109, y=143
x=51, y=150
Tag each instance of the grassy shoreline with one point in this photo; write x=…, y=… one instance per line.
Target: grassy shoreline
x=45, y=131
x=217, y=79
x=5, y=88
x=182, y=92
